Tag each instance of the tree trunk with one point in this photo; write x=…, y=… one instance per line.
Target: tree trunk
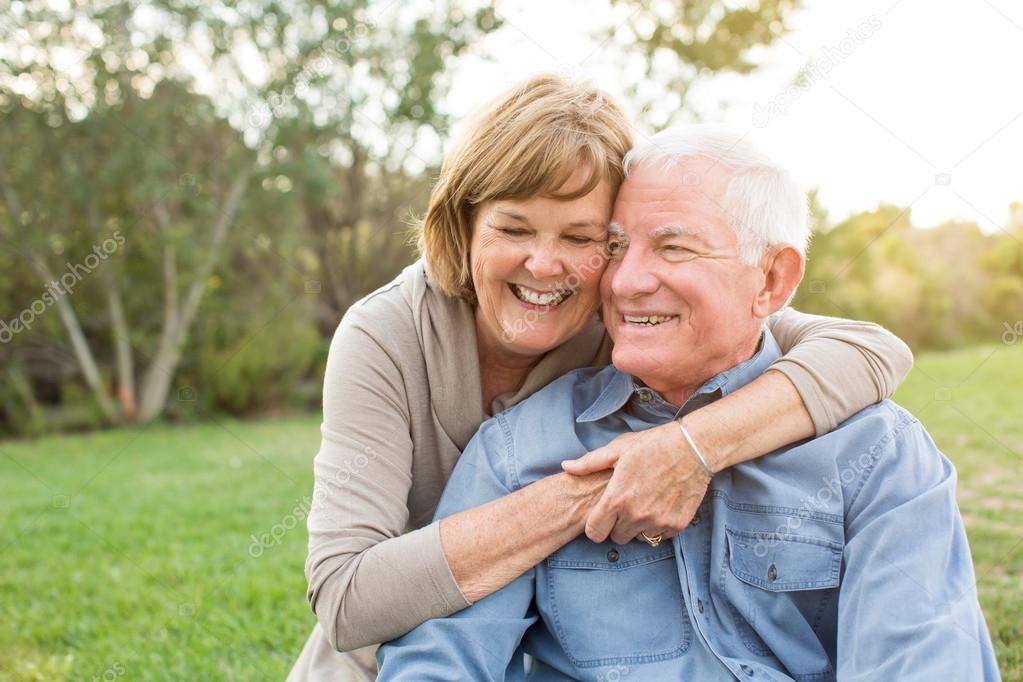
x=177, y=323
x=122, y=350
x=83, y=353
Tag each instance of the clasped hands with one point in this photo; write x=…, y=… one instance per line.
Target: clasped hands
x=656, y=487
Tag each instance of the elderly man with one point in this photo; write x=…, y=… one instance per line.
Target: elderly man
x=843, y=557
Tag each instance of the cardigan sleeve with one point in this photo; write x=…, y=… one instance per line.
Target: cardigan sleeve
x=368, y=580
x=838, y=366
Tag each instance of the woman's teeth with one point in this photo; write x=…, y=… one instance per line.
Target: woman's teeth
x=648, y=320
x=536, y=298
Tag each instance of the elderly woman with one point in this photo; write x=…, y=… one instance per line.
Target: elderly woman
x=504, y=302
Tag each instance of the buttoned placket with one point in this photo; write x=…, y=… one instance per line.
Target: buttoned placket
x=700, y=614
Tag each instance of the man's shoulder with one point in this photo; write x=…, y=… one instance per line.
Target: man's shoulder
x=883, y=417
x=885, y=440
x=569, y=394
x=877, y=428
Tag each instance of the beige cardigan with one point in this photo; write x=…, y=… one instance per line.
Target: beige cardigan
x=401, y=400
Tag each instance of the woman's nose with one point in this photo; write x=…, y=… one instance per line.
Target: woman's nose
x=544, y=261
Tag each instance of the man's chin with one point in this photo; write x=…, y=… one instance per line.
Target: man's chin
x=632, y=360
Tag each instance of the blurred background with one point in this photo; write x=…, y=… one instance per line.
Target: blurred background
x=192, y=194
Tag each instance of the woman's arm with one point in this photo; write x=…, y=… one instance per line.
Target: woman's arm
x=838, y=366
x=367, y=581
x=832, y=369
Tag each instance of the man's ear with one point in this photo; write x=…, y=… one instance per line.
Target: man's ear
x=783, y=267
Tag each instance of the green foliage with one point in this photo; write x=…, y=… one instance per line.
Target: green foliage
x=255, y=369
x=678, y=42
x=173, y=103
x=936, y=288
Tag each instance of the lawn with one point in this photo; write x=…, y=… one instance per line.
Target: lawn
x=136, y=554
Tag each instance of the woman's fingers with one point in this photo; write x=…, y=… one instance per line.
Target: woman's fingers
x=590, y=463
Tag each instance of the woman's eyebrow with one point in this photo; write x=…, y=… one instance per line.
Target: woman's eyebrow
x=588, y=223
x=509, y=213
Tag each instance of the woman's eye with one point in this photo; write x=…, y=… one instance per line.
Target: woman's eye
x=513, y=231
x=579, y=239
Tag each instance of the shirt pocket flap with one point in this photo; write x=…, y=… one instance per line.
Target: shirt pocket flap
x=782, y=562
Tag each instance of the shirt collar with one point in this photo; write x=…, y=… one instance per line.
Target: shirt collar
x=622, y=386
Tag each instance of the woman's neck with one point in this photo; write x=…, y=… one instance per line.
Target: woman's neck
x=501, y=371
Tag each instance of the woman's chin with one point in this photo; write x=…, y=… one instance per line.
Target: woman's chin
x=536, y=341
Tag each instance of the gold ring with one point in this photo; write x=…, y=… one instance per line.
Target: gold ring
x=652, y=541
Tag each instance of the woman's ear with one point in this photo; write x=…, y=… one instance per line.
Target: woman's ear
x=783, y=268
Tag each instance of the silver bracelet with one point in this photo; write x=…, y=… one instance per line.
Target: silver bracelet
x=696, y=450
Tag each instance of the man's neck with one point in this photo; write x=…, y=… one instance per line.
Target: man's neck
x=678, y=394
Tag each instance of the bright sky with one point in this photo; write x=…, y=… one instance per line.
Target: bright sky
x=925, y=107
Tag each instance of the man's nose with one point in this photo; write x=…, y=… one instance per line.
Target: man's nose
x=632, y=276
x=544, y=261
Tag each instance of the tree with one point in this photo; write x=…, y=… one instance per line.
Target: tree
x=218, y=143
x=358, y=89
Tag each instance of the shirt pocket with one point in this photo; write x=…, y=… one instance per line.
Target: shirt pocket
x=615, y=604
x=779, y=587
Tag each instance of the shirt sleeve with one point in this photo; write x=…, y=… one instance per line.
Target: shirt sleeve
x=907, y=606
x=367, y=581
x=482, y=642
x=838, y=366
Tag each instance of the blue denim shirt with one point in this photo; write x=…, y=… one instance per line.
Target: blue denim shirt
x=841, y=557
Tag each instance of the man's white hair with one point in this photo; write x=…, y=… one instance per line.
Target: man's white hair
x=764, y=204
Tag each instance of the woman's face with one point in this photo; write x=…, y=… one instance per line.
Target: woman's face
x=536, y=266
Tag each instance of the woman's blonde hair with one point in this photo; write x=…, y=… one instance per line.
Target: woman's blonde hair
x=528, y=142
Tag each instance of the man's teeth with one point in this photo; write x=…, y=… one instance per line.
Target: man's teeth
x=536, y=298
x=648, y=319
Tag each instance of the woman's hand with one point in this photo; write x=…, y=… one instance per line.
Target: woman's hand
x=657, y=485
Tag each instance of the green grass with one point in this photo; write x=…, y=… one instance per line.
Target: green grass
x=130, y=550
x=126, y=554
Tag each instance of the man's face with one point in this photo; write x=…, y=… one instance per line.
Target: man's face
x=677, y=300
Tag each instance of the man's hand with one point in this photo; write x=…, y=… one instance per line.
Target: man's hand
x=657, y=485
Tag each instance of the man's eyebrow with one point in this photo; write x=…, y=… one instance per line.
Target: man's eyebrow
x=676, y=230
x=615, y=230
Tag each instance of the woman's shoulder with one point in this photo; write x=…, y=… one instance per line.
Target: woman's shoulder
x=408, y=312
x=390, y=309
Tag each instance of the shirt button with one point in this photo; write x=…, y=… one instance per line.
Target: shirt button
x=699, y=605
x=612, y=556
x=772, y=572
x=746, y=669
x=695, y=521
